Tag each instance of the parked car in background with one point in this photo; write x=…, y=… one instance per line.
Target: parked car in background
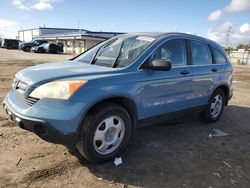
x=10, y=43
x=60, y=44
x=26, y=46
x=47, y=48
x=94, y=101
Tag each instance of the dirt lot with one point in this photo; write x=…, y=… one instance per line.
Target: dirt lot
x=170, y=154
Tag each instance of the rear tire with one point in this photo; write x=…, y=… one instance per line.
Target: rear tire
x=215, y=106
x=9, y=47
x=104, y=133
x=39, y=51
x=27, y=49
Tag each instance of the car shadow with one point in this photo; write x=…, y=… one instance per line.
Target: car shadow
x=180, y=153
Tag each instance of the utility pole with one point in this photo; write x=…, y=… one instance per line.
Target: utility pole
x=227, y=37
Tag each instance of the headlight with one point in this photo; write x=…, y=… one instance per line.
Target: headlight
x=58, y=89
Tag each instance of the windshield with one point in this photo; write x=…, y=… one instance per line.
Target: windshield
x=35, y=42
x=45, y=45
x=119, y=52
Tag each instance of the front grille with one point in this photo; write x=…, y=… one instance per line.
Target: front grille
x=30, y=101
x=20, y=89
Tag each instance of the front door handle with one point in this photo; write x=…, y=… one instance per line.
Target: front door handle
x=185, y=72
x=214, y=69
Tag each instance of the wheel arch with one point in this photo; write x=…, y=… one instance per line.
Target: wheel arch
x=125, y=102
x=225, y=89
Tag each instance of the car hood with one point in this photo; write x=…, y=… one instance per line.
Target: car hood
x=43, y=73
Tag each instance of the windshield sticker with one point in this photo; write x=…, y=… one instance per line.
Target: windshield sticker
x=145, y=38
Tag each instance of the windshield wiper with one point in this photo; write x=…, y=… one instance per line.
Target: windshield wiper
x=104, y=46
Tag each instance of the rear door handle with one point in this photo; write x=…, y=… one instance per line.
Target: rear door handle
x=214, y=70
x=184, y=72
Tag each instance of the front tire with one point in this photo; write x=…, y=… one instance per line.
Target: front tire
x=215, y=106
x=104, y=132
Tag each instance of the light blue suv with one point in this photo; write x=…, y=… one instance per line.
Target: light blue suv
x=95, y=100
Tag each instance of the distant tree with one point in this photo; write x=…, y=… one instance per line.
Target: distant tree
x=242, y=46
x=228, y=49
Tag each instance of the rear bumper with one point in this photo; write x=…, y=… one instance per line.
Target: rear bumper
x=41, y=128
x=230, y=95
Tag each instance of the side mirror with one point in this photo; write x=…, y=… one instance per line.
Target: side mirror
x=161, y=65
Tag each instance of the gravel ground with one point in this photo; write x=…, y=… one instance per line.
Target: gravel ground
x=170, y=154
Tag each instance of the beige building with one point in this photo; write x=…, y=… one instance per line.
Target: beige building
x=74, y=40
x=29, y=34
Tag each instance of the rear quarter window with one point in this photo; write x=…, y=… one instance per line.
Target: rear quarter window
x=218, y=57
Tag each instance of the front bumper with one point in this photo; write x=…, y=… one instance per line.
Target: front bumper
x=41, y=128
x=52, y=125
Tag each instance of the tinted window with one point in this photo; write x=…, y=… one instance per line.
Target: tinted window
x=218, y=57
x=201, y=53
x=173, y=51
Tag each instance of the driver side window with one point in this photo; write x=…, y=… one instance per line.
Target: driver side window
x=173, y=51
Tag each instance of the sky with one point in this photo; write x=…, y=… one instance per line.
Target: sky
x=212, y=19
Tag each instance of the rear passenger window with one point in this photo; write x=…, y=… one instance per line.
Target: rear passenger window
x=173, y=51
x=218, y=57
x=201, y=54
